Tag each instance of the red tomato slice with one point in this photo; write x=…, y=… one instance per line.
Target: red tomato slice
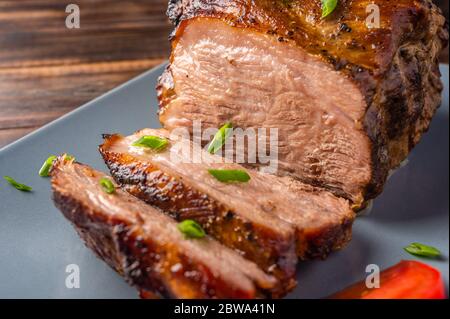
x=406, y=280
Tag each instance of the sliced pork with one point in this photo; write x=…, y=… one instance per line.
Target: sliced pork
x=259, y=218
x=350, y=98
x=146, y=247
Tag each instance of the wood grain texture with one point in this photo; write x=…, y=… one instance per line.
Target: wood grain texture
x=47, y=70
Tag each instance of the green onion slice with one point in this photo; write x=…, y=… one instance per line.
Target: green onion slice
x=220, y=138
x=421, y=250
x=107, y=186
x=45, y=169
x=191, y=229
x=68, y=157
x=155, y=143
x=19, y=186
x=230, y=175
x=328, y=6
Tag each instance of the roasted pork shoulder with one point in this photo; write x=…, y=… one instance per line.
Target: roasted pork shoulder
x=146, y=247
x=263, y=219
x=350, y=98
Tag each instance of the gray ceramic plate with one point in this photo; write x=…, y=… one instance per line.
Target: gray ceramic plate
x=37, y=243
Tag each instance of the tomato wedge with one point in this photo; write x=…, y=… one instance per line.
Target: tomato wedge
x=406, y=280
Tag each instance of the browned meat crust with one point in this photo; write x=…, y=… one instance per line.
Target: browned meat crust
x=271, y=250
x=395, y=66
x=342, y=39
x=320, y=231
x=147, y=182
x=145, y=247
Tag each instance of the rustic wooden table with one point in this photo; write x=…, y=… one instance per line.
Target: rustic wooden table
x=47, y=70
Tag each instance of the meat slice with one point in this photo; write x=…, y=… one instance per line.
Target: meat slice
x=258, y=218
x=349, y=99
x=145, y=246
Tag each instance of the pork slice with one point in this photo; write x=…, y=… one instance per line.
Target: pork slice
x=146, y=247
x=349, y=100
x=257, y=218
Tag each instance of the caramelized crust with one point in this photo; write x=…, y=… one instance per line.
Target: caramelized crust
x=263, y=219
x=270, y=244
x=394, y=70
x=145, y=246
x=342, y=39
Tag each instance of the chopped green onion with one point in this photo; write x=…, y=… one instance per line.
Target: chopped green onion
x=19, y=186
x=220, y=138
x=191, y=229
x=230, y=175
x=328, y=7
x=68, y=157
x=154, y=142
x=45, y=169
x=107, y=186
x=422, y=250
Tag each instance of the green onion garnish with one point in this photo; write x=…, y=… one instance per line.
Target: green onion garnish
x=220, y=138
x=328, y=7
x=68, y=157
x=191, y=229
x=107, y=186
x=154, y=142
x=45, y=169
x=421, y=250
x=230, y=175
x=19, y=186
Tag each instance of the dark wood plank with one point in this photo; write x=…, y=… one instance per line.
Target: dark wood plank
x=47, y=70
x=33, y=32
x=34, y=96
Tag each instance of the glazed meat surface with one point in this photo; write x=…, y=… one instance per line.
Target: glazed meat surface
x=349, y=101
x=145, y=246
x=263, y=219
